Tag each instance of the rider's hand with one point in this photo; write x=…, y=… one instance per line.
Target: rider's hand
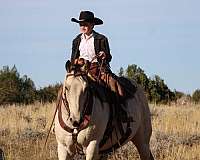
x=79, y=61
x=102, y=55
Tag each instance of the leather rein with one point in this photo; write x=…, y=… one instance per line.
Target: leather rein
x=85, y=118
x=87, y=110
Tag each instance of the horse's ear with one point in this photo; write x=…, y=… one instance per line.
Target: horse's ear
x=68, y=66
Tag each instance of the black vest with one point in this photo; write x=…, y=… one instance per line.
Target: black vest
x=100, y=44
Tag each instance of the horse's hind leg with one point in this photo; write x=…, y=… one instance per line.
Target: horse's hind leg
x=142, y=146
x=144, y=150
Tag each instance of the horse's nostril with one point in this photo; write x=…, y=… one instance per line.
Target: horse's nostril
x=76, y=124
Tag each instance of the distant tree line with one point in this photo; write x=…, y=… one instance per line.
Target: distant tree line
x=16, y=89
x=155, y=88
x=196, y=96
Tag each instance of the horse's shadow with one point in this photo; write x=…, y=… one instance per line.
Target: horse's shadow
x=2, y=155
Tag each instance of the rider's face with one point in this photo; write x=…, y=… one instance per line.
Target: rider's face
x=86, y=27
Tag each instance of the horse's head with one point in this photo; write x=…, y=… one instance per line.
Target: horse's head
x=76, y=91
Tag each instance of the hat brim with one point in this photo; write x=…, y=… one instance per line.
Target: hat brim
x=96, y=21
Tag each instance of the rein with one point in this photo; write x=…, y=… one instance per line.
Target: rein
x=58, y=103
x=85, y=115
x=86, y=112
x=85, y=120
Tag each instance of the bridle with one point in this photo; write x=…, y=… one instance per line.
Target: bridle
x=87, y=110
x=87, y=107
x=85, y=115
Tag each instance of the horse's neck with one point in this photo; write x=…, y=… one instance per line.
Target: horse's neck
x=100, y=110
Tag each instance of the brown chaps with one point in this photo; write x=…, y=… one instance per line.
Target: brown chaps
x=105, y=76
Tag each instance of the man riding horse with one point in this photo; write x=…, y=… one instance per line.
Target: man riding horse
x=86, y=122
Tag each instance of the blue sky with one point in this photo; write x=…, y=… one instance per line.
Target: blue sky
x=160, y=36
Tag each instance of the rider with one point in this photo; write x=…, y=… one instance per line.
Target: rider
x=94, y=47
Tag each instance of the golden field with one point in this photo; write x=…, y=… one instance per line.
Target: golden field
x=23, y=129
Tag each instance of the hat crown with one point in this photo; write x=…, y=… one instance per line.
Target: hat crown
x=86, y=15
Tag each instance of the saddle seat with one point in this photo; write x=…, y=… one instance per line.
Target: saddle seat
x=102, y=91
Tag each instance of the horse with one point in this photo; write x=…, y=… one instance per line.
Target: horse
x=82, y=119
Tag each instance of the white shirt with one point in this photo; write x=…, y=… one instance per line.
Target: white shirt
x=86, y=47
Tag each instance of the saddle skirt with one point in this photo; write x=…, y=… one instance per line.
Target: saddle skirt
x=119, y=121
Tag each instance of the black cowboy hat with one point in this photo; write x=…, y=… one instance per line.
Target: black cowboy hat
x=87, y=16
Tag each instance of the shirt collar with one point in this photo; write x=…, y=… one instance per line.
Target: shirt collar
x=83, y=36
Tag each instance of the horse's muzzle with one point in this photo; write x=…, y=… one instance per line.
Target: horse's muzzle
x=75, y=123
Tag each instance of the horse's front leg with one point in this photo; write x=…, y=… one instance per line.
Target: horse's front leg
x=92, y=151
x=64, y=153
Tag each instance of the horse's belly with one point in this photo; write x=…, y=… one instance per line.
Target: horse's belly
x=121, y=134
x=118, y=137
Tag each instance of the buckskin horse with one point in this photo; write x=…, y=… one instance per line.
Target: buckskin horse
x=85, y=123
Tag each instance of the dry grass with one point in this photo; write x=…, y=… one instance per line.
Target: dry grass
x=23, y=131
x=176, y=133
